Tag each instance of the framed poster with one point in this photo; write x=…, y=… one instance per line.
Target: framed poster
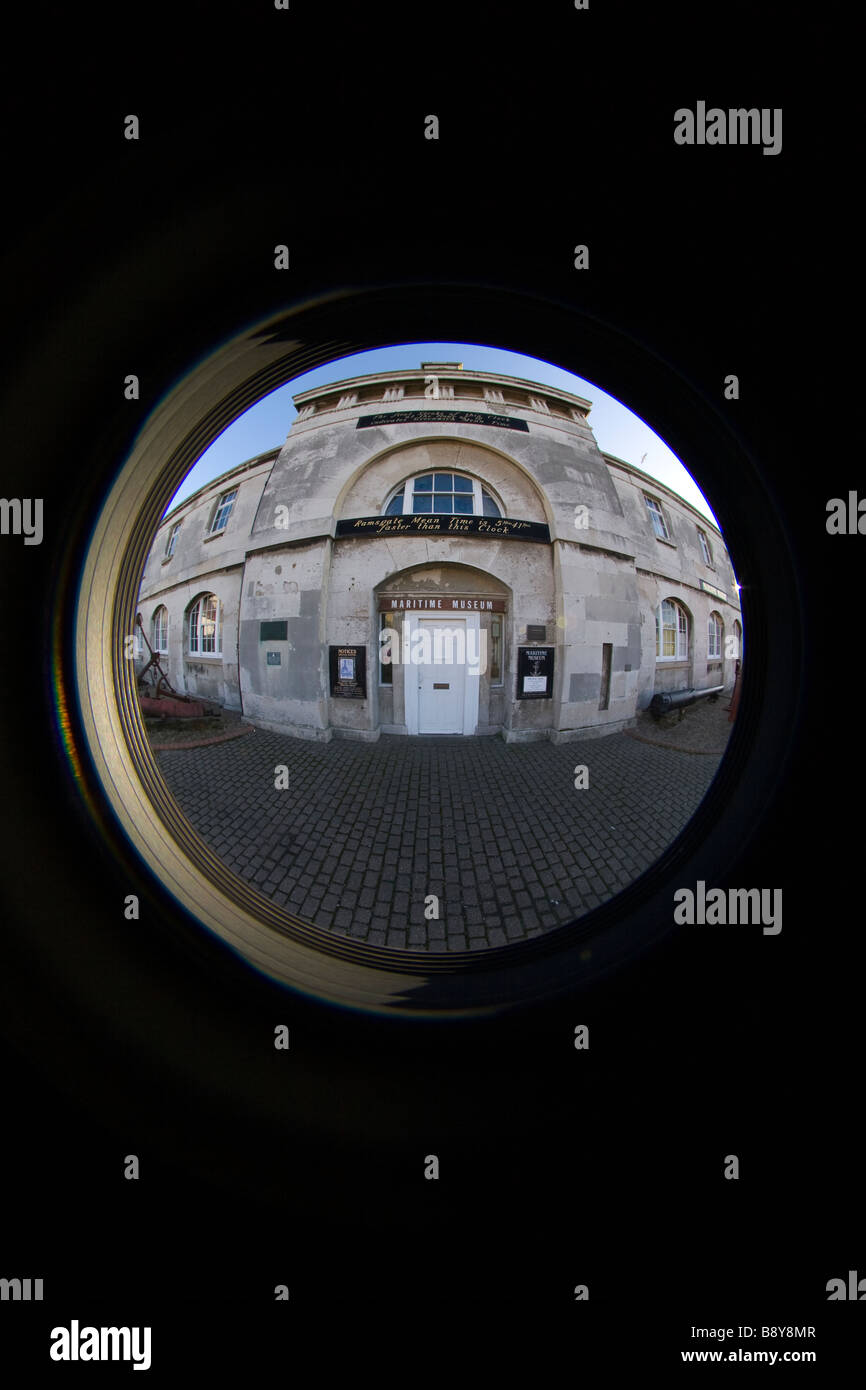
x=348, y=672
x=535, y=673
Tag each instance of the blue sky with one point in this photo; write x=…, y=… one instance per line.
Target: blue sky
x=617, y=430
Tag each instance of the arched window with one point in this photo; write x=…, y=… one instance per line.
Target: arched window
x=672, y=632
x=159, y=629
x=205, y=627
x=714, y=636
x=738, y=641
x=450, y=494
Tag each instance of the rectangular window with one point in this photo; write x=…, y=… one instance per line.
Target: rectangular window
x=172, y=539
x=496, y=651
x=705, y=548
x=606, y=661
x=223, y=511
x=388, y=647
x=657, y=518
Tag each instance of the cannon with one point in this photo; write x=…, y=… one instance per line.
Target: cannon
x=678, y=699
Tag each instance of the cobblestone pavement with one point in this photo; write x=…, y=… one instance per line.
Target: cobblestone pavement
x=193, y=733
x=703, y=728
x=498, y=832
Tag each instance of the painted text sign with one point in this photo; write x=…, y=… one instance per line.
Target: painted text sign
x=494, y=528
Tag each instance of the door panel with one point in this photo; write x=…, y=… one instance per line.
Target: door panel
x=441, y=682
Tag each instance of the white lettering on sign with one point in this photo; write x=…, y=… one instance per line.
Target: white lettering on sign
x=450, y=605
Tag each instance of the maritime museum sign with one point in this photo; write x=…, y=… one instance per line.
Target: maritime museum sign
x=440, y=603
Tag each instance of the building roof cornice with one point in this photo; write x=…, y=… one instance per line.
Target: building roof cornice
x=654, y=485
x=445, y=372
x=247, y=466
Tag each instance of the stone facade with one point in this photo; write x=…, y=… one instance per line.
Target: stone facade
x=564, y=586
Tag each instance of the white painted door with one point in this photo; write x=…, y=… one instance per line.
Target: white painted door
x=442, y=680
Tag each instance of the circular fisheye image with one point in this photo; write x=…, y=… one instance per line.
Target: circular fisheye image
x=437, y=649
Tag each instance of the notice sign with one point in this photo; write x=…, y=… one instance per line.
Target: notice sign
x=535, y=673
x=348, y=671
x=491, y=528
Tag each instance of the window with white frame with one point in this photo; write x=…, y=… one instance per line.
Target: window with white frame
x=389, y=646
x=714, y=636
x=497, y=623
x=657, y=517
x=672, y=632
x=205, y=627
x=453, y=494
x=223, y=511
x=159, y=629
x=705, y=547
x=171, y=543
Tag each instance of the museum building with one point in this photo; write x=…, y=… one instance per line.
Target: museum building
x=439, y=551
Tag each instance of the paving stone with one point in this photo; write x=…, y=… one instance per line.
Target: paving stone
x=376, y=828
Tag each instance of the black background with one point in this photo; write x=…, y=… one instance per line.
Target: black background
x=558, y=1167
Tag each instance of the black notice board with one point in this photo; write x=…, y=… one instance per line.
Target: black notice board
x=535, y=673
x=348, y=670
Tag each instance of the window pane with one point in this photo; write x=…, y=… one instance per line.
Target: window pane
x=395, y=506
x=424, y=484
x=223, y=511
x=422, y=504
x=462, y=484
x=495, y=651
x=463, y=505
x=387, y=648
x=444, y=482
x=443, y=504
x=488, y=506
